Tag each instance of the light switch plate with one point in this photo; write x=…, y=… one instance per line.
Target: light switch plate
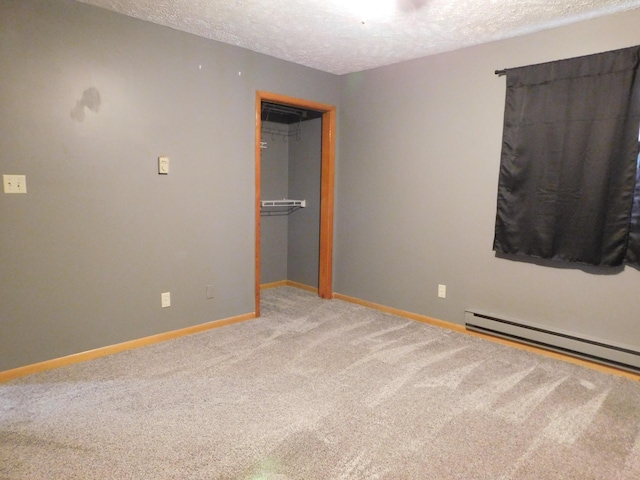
x=14, y=183
x=165, y=299
x=163, y=165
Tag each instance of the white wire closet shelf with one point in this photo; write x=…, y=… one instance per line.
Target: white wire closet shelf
x=280, y=207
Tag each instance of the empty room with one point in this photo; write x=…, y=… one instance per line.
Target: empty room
x=305, y=239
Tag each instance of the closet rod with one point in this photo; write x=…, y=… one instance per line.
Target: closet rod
x=280, y=207
x=283, y=133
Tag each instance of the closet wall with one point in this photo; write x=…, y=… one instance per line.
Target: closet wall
x=274, y=185
x=291, y=168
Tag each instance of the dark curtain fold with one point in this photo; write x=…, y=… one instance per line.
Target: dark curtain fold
x=569, y=156
x=633, y=250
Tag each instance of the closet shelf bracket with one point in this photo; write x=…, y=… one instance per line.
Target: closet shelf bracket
x=280, y=207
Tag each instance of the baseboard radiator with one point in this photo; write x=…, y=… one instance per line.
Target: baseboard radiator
x=618, y=356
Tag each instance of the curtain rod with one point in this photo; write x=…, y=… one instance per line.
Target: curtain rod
x=502, y=72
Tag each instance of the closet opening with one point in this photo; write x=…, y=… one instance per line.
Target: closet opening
x=295, y=151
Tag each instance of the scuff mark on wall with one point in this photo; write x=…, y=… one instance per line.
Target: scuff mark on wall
x=90, y=99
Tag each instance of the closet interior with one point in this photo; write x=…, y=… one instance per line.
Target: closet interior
x=290, y=181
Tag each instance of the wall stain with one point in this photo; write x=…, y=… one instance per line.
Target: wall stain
x=90, y=99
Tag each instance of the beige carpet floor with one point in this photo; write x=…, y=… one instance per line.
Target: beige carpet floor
x=320, y=389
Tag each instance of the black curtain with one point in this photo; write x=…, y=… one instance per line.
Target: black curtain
x=569, y=160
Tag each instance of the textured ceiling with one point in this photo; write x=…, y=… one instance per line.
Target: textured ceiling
x=343, y=36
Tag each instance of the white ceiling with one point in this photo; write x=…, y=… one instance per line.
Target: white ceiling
x=340, y=36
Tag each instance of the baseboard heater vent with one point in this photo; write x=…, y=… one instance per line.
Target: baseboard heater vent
x=618, y=356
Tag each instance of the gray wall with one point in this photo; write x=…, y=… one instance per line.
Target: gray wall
x=305, y=162
x=87, y=251
x=417, y=181
x=274, y=185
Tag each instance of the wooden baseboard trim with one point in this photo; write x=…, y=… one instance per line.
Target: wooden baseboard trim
x=302, y=286
x=289, y=283
x=281, y=283
x=120, y=347
x=162, y=337
x=461, y=329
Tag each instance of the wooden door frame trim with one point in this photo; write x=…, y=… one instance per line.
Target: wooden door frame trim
x=325, y=273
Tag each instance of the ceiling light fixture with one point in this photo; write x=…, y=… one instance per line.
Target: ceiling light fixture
x=369, y=10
